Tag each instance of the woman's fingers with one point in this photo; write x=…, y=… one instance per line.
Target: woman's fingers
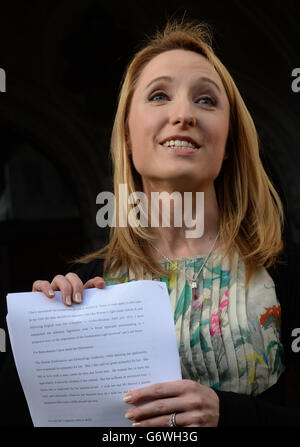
x=97, y=281
x=77, y=287
x=70, y=285
x=156, y=391
x=71, y=288
x=158, y=407
x=43, y=286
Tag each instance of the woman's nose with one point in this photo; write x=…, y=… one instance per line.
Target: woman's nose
x=185, y=120
x=182, y=114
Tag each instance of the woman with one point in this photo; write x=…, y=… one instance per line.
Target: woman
x=182, y=126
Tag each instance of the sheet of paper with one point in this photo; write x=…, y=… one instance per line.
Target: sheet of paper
x=75, y=364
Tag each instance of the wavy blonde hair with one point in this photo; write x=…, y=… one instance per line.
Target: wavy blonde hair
x=251, y=212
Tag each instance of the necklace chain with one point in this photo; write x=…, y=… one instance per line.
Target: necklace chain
x=194, y=285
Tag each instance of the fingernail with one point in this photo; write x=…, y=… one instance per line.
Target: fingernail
x=135, y=424
x=127, y=398
x=68, y=300
x=77, y=297
x=51, y=292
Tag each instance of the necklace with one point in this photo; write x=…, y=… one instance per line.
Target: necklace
x=193, y=280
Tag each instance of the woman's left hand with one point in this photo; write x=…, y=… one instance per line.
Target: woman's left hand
x=195, y=405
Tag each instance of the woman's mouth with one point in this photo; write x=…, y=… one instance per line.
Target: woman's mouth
x=180, y=148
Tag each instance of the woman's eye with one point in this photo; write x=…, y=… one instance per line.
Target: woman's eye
x=205, y=98
x=157, y=95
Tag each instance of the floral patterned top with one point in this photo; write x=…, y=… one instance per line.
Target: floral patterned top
x=228, y=337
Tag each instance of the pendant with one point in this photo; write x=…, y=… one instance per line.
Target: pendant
x=194, y=290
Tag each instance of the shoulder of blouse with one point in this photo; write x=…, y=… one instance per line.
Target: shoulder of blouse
x=234, y=407
x=286, y=276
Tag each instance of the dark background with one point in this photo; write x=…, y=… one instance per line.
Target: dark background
x=64, y=61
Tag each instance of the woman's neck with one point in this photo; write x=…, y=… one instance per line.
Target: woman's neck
x=172, y=240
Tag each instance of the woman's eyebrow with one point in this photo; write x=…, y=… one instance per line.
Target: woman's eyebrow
x=203, y=79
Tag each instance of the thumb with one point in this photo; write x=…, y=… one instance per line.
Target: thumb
x=97, y=281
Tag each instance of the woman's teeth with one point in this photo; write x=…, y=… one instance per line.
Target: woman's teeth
x=179, y=143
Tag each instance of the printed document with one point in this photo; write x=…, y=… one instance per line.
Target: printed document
x=76, y=363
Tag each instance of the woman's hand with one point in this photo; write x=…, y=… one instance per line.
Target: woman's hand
x=70, y=285
x=195, y=405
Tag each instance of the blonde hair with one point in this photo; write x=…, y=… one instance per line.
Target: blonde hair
x=251, y=212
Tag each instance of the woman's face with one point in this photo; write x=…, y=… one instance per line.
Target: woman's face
x=188, y=105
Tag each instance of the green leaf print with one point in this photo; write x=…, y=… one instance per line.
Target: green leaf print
x=199, y=338
x=195, y=338
x=238, y=343
x=204, y=322
x=183, y=302
x=241, y=371
x=245, y=334
x=278, y=357
x=195, y=265
x=166, y=281
x=276, y=363
x=245, y=338
x=203, y=343
x=270, y=346
x=207, y=283
x=216, y=269
x=253, y=392
x=225, y=278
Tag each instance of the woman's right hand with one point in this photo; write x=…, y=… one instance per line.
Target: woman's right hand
x=70, y=285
